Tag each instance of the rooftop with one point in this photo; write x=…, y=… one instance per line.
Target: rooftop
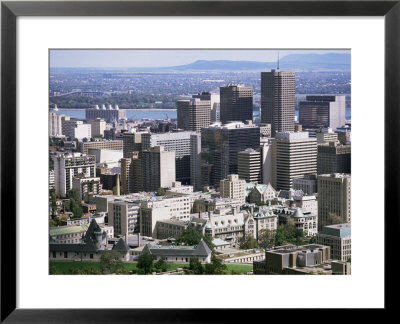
x=62, y=230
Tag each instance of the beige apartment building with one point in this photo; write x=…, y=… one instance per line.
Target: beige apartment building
x=233, y=188
x=107, y=145
x=334, y=198
x=193, y=114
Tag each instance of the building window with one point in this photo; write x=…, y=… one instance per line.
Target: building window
x=65, y=255
x=54, y=254
x=91, y=256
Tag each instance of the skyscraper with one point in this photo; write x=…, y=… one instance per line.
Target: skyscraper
x=293, y=156
x=236, y=103
x=158, y=168
x=55, y=124
x=277, y=100
x=220, y=145
x=322, y=111
x=215, y=104
x=334, y=199
x=193, y=114
x=178, y=142
x=132, y=142
x=125, y=175
x=249, y=165
x=334, y=158
x=66, y=166
x=195, y=161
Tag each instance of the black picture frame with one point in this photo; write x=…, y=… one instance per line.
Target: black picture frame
x=10, y=10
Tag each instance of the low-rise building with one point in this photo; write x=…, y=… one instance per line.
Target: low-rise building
x=180, y=254
x=341, y=268
x=242, y=256
x=169, y=228
x=68, y=234
x=92, y=245
x=261, y=193
x=228, y=225
x=303, y=220
x=338, y=238
x=290, y=259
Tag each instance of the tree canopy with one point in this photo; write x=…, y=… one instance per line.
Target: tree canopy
x=74, y=204
x=145, y=263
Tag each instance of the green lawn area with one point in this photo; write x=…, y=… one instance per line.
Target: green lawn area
x=242, y=268
x=65, y=267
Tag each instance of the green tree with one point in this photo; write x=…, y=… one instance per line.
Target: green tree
x=247, y=242
x=161, y=191
x=289, y=234
x=51, y=163
x=216, y=267
x=53, y=198
x=74, y=204
x=266, y=238
x=84, y=139
x=55, y=222
x=111, y=260
x=189, y=236
x=196, y=266
x=332, y=219
x=161, y=265
x=312, y=240
x=145, y=263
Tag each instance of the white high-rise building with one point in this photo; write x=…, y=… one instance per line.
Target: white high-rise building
x=294, y=154
x=66, y=166
x=158, y=168
x=76, y=129
x=55, y=124
x=123, y=216
x=266, y=162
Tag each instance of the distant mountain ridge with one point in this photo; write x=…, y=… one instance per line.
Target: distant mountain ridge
x=299, y=62
x=292, y=62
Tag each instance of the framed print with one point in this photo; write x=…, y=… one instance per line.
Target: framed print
x=114, y=60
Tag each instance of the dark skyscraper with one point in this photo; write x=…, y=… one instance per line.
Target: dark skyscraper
x=277, y=100
x=322, y=111
x=220, y=146
x=334, y=158
x=236, y=103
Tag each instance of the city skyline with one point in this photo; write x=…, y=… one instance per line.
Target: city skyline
x=229, y=185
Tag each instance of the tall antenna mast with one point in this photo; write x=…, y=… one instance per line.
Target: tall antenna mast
x=278, y=61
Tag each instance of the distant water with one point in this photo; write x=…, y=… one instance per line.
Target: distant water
x=256, y=114
x=136, y=114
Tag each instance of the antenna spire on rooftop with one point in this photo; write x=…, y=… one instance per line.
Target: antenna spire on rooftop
x=278, y=61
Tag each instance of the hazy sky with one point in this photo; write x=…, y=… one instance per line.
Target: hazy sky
x=155, y=58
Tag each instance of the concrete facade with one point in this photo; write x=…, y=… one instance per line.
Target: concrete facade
x=278, y=101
